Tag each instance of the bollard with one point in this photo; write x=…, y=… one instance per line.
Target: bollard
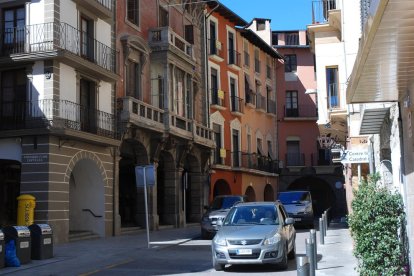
x=326, y=222
x=323, y=224
x=315, y=249
x=310, y=254
x=302, y=266
x=25, y=209
x=321, y=236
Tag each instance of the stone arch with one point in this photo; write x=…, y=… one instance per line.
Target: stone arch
x=166, y=189
x=221, y=187
x=192, y=192
x=85, y=155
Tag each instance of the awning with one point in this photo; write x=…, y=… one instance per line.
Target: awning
x=372, y=120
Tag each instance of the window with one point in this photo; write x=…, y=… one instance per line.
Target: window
x=87, y=40
x=292, y=104
x=269, y=149
x=13, y=28
x=259, y=146
x=332, y=87
x=293, y=156
x=163, y=17
x=292, y=38
x=213, y=38
x=236, y=153
x=250, y=95
x=134, y=80
x=231, y=47
x=88, y=105
x=256, y=61
x=13, y=96
x=246, y=54
x=133, y=11
x=235, y=100
x=290, y=63
x=217, y=139
x=260, y=25
x=189, y=33
x=275, y=38
x=268, y=69
x=215, y=97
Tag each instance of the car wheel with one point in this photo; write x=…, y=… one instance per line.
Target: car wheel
x=217, y=266
x=284, y=263
x=292, y=252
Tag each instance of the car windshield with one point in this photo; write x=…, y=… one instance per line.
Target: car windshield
x=293, y=197
x=224, y=202
x=244, y=215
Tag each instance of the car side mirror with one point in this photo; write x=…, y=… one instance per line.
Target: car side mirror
x=289, y=221
x=219, y=223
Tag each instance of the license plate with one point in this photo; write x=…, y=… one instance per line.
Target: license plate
x=297, y=219
x=244, y=252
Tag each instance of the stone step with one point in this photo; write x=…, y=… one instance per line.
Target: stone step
x=82, y=235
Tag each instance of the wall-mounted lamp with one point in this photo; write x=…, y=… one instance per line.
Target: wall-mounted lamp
x=48, y=75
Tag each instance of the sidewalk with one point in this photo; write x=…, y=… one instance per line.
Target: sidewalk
x=76, y=258
x=337, y=258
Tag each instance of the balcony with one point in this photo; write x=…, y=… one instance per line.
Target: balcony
x=234, y=59
x=246, y=161
x=327, y=12
x=271, y=106
x=295, y=159
x=55, y=115
x=301, y=112
x=164, y=38
x=102, y=8
x=215, y=50
x=218, y=98
x=59, y=40
x=141, y=114
x=261, y=102
x=250, y=97
x=237, y=105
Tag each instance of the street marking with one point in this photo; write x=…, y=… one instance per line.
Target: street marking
x=106, y=268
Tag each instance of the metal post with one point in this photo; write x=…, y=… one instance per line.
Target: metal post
x=326, y=222
x=302, y=266
x=312, y=235
x=321, y=235
x=310, y=254
x=324, y=226
x=146, y=206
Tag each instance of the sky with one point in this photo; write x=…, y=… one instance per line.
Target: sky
x=285, y=15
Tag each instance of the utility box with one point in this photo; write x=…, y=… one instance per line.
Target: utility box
x=42, y=241
x=2, y=249
x=21, y=237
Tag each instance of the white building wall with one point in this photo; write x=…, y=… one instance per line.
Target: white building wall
x=38, y=82
x=69, y=13
x=103, y=32
x=67, y=88
x=35, y=12
x=105, y=97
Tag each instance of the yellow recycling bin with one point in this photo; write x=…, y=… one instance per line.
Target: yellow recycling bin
x=25, y=210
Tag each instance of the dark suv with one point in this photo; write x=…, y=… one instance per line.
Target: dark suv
x=298, y=204
x=217, y=210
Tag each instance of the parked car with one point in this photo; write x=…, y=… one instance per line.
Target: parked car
x=254, y=233
x=217, y=211
x=298, y=204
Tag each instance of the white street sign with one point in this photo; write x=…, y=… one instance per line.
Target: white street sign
x=354, y=156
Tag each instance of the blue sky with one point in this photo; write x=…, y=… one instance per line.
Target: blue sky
x=285, y=14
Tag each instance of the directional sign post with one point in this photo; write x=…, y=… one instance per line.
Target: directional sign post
x=145, y=175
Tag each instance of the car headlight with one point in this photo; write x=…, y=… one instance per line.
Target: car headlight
x=272, y=240
x=220, y=241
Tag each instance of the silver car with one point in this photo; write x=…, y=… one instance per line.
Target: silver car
x=254, y=233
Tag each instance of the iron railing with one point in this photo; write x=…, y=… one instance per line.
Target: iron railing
x=54, y=36
x=250, y=97
x=236, y=104
x=301, y=111
x=271, y=106
x=295, y=159
x=333, y=97
x=215, y=48
x=217, y=97
x=261, y=102
x=106, y=3
x=234, y=58
x=58, y=114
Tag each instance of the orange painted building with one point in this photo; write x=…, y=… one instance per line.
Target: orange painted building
x=242, y=96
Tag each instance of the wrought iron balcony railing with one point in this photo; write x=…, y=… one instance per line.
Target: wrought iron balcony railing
x=234, y=58
x=271, y=106
x=250, y=97
x=217, y=97
x=301, y=111
x=56, y=114
x=215, y=48
x=260, y=102
x=236, y=104
x=106, y=3
x=54, y=36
